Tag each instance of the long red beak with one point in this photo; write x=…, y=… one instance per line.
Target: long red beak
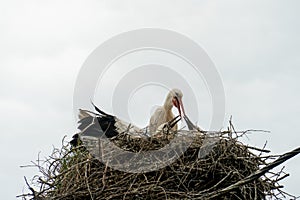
x=180, y=107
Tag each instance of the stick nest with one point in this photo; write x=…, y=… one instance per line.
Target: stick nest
x=230, y=170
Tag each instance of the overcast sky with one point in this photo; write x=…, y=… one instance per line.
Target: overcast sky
x=254, y=44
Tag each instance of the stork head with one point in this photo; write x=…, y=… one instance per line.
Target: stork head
x=176, y=98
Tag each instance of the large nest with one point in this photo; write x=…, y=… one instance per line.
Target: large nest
x=229, y=170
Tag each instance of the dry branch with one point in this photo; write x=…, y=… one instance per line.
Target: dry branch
x=231, y=170
x=255, y=175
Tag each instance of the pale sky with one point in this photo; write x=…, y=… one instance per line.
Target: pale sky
x=254, y=44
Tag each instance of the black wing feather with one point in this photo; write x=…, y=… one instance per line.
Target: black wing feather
x=105, y=124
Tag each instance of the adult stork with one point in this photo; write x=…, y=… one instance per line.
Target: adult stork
x=164, y=113
x=98, y=124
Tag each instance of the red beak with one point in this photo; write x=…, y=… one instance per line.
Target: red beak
x=179, y=105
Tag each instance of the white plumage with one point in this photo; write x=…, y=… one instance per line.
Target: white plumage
x=164, y=113
x=98, y=124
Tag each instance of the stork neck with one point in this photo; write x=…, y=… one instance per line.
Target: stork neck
x=168, y=105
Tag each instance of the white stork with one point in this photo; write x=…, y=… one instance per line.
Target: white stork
x=164, y=113
x=100, y=123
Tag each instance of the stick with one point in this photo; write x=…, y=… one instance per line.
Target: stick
x=256, y=174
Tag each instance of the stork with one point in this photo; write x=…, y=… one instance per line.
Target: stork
x=164, y=113
x=98, y=124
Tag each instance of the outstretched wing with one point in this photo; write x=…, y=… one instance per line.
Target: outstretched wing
x=97, y=124
x=94, y=125
x=100, y=123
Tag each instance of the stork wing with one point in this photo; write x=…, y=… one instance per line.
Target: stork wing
x=156, y=119
x=96, y=124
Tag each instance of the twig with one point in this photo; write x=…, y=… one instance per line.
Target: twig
x=255, y=175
